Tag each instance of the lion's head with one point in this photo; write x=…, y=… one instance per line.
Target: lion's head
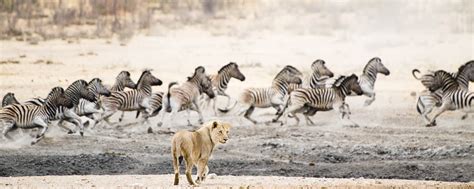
x=219, y=131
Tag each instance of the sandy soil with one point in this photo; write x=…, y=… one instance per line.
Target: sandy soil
x=164, y=181
x=391, y=142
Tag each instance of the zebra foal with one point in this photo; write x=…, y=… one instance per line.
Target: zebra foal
x=187, y=95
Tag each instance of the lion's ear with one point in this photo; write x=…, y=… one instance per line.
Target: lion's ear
x=215, y=124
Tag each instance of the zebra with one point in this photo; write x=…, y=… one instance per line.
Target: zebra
x=132, y=100
x=30, y=116
x=318, y=78
x=186, y=95
x=220, y=82
x=75, y=92
x=321, y=99
x=8, y=99
x=427, y=100
x=369, y=76
x=453, y=96
x=87, y=108
x=268, y=97
x=123, y=81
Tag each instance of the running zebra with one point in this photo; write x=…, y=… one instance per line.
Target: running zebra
x=132, y=100
x=8, y=99
x=318, y=78
x=321, y=99
x=123, y=81
x=30, y=116
x=186, y=96
x=369, y=76
x=75, y=92
x=428, y=100
x=453, y=97
x=87, y=108
x=268, y=97
x=220, y=82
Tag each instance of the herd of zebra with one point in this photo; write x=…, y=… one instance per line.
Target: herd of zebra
x=290, y=94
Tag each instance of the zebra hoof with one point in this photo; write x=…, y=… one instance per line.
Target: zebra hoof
x=463, y=117
x=82, y=133
x=70, y=132
x=274, y=120
x=150, y=130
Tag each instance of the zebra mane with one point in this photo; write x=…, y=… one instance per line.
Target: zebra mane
x=465, y=66
x=54, y=91
x=78, y=82
x=289, y=68
x=338, y=81
x=226, y=66
x=127, y=73
x=94, y=80
x=196, y=71
x=343, y=79
x=141, y=76
x=370, y=63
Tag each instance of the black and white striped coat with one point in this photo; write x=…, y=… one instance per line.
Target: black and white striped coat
x=31, y=116
x=453, y=96
x=272, y=96
x=133, y=100
x=321, y=99
x=369, y=76
x=187, y=95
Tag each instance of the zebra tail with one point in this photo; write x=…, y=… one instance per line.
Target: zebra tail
x=168, y=96
x=414, y=75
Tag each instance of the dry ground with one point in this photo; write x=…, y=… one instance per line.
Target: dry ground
x=390, y=143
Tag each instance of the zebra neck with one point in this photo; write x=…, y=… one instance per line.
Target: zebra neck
x=280, y=86
x=371, y=74
x=343, y=91
x=73, y=95
x=145, y=88
x=224, y=79
x=450, y=86
x=118, y=86
x=49, y=108
x=316, y=79
x=462, y=81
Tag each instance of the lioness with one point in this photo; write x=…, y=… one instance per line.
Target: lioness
x=196, y=148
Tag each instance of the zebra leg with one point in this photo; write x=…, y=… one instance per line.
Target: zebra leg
x=121, y=116
x=425, y=114
x=345, y=112
x=44, y=126
x=248, y=113
x=371, y=99
x=61, y=125
x=8, y=127
x=188, y=114
x=198, y=110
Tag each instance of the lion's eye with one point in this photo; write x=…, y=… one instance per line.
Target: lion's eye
x=220, y=132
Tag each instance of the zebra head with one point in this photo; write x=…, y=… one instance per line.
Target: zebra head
x=233, y=70
x=148, y=79
x=375, y=65
x=96, y=86
x=8, y=99
x=349, y=84
x=206, y=87
x=292, y=75
x=124, y=79
x=319, y=67
x=77, y=90
x=203, y=81
x=58, y=97
x=441, y=80
x=466, y=72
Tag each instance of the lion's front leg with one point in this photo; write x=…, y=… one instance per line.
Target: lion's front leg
x=202, y=171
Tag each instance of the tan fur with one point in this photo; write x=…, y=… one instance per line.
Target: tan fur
x=196, y=147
